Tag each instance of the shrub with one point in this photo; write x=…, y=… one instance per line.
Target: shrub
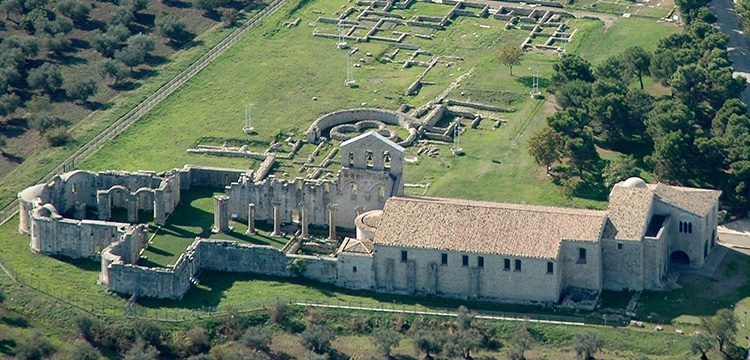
x=258, y=337
x=84, y=326
x=76, y=10
x=47, y=77
x=58, y=136
x=84, y=351
x=317, y=338
x=35, y=347
x=171, y=27
x=81, y=88
x=199, y=339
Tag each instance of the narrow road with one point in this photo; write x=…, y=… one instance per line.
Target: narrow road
x=738, y=45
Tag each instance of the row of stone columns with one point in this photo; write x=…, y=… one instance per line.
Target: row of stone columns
x=221, y=217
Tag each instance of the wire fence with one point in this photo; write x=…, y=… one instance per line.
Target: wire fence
x=149, y=103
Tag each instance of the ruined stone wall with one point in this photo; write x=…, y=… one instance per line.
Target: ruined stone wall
x=330, y=120
x=581, y=274
x=424, y=273
x=73, y=238
x=121, y=275
x=191, y=175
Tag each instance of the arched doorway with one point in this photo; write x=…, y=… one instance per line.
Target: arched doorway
x=679, y=258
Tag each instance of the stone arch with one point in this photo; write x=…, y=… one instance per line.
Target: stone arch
x=144, y=198
x=119, y=196
x=679, y=257
x=80, y=186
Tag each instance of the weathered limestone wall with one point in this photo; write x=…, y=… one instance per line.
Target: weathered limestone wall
x=330, y=120
x=623, y=265
x=355, y=271
x=656, y=257
x=424, y=273
x=690, y=243
x=577, y=273
x=191, y=175
x=73, y=238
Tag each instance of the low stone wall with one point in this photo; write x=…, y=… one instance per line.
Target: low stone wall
x=218, y=255
x=330, y=120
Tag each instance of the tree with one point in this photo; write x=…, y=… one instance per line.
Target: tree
x=668, y=116
x=112, y=68
x=81, y=89
x=171, y=27
x=229, y=17
x=571, y=67
x=143, y=42
x=142, y=351
x=637, y=62
x=581, y=152
x=199, y=340
x=722, y=327
x=120, y=15
x=35, y=347
x=104, y=43
x=385, y=339
x=611, y=68
x=587, y=343
x=673, y=158
x=76, y=10
x=546, y=147
x=9, y=103
x=520, y=342
x=11, y=6
x=279, y=312
x=700, y=343
x=28, y=45
x=510, y=55
x=84, y=351
x=428, y=342
x=47, y=77
x=85, y=326
x=131, y=56
x=134, y=5
x=42, y=122
x=258, y=337
x=317, y=338
x=690, y=85
x=573, y=94
x=463, y=342
x=621, y=168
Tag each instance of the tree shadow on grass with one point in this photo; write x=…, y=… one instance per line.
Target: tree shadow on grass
x=80, y=43
x=156, y=60
x=14, y=127
x=145, y=19
x=125, y=86
x=142, y=74
x=66, y=59
x=12, y=158
x=177, y=4
x=95, y=105
x=528, y=81
x=184, y=41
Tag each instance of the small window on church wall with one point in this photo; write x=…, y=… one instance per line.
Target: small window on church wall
x=381, y=193
x=619, y=246
x=443, y=259
x=581, y=255
x=480, y=261
x=550, y=267
x=370, y=161
x=404, y=256
x=506, y=264
x=354, y=269
x=354, y=191
x=386, y=159
x=75, y=189
x=518, y=265
x=351, y=158
x=465, y=260
x=690, y=228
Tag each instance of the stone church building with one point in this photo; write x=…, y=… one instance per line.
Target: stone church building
x=408, y=245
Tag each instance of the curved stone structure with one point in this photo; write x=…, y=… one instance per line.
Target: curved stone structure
x=348, y=116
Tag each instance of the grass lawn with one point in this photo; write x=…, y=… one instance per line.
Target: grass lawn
x=194, y=217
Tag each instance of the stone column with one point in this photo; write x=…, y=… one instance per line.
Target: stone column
x=159, y=213
x=221, y=214
x=276, y=218
x=250, y=219
x=304, y=219
x=132, y=209
x=332, y=221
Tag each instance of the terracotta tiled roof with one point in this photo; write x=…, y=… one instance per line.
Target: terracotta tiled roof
x=485, y=227
x=628, y=212
x=356, y=246
x=693, y=200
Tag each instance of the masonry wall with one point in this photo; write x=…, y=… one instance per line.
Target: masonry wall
x=355, y=271
x=622, y=265
x=423, y=273
x=690, y=243
x=579, y=274
x=73, y=238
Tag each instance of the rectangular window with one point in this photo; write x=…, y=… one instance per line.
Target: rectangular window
x=354, y=269
x=581, y=255
x=465, y=260
x=518, y=265
x=619, y=246
x=480, y=261
x=444, y=259
x=404, y=256
x=550, y=267
x=506, y=264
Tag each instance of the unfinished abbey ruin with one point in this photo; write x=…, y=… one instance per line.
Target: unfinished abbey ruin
x=407, y=245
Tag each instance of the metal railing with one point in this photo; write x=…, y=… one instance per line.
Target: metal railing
x=149, y=103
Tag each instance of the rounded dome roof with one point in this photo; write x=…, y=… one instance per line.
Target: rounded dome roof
x=634, y=182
